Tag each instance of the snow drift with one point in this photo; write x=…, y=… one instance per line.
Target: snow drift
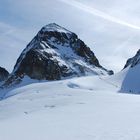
x=131, y=82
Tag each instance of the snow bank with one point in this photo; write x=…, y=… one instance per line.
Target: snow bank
x=131, y=82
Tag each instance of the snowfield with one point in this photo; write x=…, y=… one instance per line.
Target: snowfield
x=86, y=108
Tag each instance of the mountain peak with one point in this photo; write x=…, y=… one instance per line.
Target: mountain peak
x=3, y=74
x=55, y=27
x=56, y=53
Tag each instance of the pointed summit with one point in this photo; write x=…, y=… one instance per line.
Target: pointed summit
x=3, y=74
x=55, y=27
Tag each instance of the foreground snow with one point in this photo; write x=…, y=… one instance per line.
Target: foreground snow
x=87, y=108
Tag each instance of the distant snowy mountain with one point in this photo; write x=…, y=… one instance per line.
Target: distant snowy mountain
x=131, y=82
x=56, y=53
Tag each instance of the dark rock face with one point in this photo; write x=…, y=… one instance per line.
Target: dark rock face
x=133, y=61
x=53, y=54
x=39, y=67
x=3, y=74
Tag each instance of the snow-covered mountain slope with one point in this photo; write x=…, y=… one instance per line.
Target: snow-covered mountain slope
x=131, y=82
x=133, y=61
x=56, y=53
x=86, y=108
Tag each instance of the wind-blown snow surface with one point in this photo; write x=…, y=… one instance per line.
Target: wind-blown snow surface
x=87, y=108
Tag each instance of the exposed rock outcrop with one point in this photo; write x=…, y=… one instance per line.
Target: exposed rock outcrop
x=3, y=74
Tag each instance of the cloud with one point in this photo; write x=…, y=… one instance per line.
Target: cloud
x=12, y=42
x=99, y=13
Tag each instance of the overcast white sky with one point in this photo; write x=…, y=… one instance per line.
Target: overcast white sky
x=111, y=28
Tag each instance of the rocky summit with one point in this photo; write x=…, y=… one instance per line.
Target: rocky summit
x=3, y=74
x=56, y=53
